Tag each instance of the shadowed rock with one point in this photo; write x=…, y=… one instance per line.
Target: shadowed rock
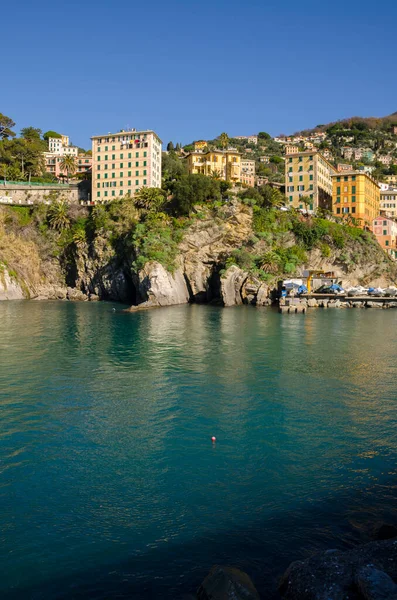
x=227, y=583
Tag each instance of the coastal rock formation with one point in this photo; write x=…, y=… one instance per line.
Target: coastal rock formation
x=367, y=572
x=231, y=286
x=160, y=288
x=10, y=288
x=227, y=583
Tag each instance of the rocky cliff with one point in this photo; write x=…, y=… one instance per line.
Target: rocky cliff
x=231, y=254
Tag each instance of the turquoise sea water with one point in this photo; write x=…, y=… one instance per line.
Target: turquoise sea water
x=109, y=483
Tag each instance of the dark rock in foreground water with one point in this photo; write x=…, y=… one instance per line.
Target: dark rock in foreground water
x=227, y=583
x=367, y=572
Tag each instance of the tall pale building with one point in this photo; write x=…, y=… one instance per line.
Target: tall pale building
x=124, y=162
x=308, y=174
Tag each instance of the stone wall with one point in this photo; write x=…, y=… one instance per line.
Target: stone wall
x=26, y=195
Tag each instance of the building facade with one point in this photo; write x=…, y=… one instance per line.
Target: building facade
x=225, y=164
x=53, y=164
x=385, y=230
x=199, y=145
x=357, y=195
x=308, y=174
x=388, y=202
x=124, y=162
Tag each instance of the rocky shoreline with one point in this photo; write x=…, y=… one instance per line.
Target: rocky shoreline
x=366, y=572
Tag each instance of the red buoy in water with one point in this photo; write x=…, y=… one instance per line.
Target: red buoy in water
x=213, y=439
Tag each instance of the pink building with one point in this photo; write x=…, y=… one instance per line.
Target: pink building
x=385, y=230
x=53, y=164
x=248, y=179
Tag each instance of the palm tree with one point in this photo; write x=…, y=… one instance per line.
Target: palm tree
x=68, y=164
x=216, y=174
x=149, y=199
x=224, y=140
x=58, y=215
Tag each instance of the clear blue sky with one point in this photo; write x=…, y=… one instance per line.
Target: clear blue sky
x=191, y=70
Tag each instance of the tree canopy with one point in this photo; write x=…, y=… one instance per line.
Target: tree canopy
x=6, y=125
x=51, y=134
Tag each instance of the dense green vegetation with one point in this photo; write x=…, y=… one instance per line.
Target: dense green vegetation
x=21, y=158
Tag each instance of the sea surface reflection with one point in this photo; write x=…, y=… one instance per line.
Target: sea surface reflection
x=109, y=483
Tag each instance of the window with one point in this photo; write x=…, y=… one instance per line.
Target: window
x=121, y=165
x=137, y=163
x=311, y=186
x=98, y=185
x=129, y=174
x=121, y=184
x=290, y=179
x=113, y=175
x=384, y=223
x=290, y=160
x=310, y=158
x=145, y=154
x=300, y=159
x=300, y=168
x=387, y=242
x=136, y=173
x=353, y=209
x=106, y=148
x=106, y=156
x=129, y=164
x=106, y=175
x=98, y=194
x=113, y=147
x=136, y=154
x=311, y=177
x=385, y=232
x=353, y=189
x=311, y=168
x=98, y=158
x=290, y=198
x=345, y=209
x=290, y=169
x=113, y=166
x=106, y=193
x=144, y=182
x=121, y=175
x=113, y=193
x=144, y=163
x=98, y=176
x=105, y=167
x=300, y=178
x=338, y=200
x=338, y=211
x=136, y=182
x=290, y=188
x=113, y=157
x=121, y=155
x=353, y=198
x=129, y=183
x=346, y=178
x=353, y=178
x=144, y=172
x=338, y=190
x=338, y=179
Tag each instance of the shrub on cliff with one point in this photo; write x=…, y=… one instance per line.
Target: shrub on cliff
x=191, y=190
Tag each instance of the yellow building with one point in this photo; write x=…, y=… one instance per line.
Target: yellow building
x=308, y=174
x=356, y=194
x=200, y=145
x=224, y=164
x=124, y=162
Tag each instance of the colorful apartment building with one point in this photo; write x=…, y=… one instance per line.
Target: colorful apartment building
x=53, y=164
x=251, y=139
x=124, y=162
x=388, y=202
x=342, y=167
x=308, y=174
x=385, y=230
x=225, y=164
x=61, y=146
x=391, y=179
x=357, y=195
x=247, y=172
